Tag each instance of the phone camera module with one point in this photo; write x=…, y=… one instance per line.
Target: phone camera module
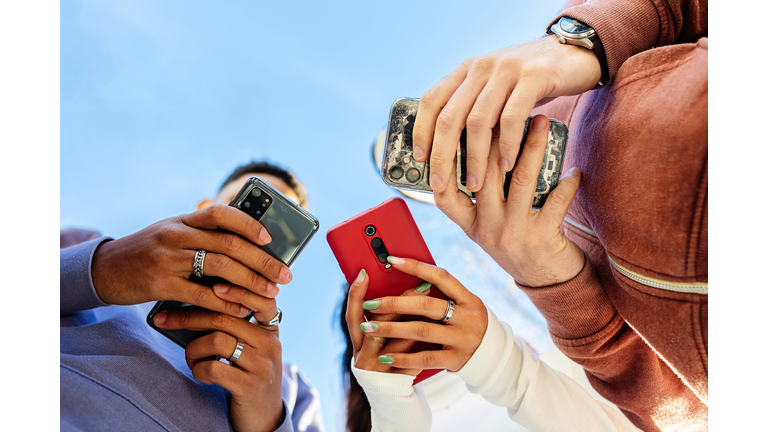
x=370, y=230
x=413, y=175
x=380, y=250
x=256, y=192
x=396, y=172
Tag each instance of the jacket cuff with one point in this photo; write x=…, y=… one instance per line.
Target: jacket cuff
x=574, y=309
x=76, y=290
x=625, y=28
x=287, y=425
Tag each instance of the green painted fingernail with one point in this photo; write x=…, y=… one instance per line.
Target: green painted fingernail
x=369, y=327
x=388, y=360
x=371, y=304
x=423, y=287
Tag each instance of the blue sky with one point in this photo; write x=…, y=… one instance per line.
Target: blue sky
x=159, y=101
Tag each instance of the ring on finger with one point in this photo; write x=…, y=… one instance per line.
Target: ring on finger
x=448, y=312
x=379, y=339
x=274, y=321
x=238, y=351
x=197, y=266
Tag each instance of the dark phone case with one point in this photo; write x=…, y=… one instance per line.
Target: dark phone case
x=398, y=149
x=402, y=238
x=291, y=228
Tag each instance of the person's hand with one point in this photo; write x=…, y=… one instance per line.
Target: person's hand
x=460, y=337
x=499, y=88
x=367, y=349
x=524, y=241
x=254, y=379
x=156, y=262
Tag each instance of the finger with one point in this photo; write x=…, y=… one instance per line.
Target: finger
x=223, y=266
x=415, y=330
x=245, y=252
x=397, y=346
x=456, y=205
x=184, y=291
x=439, y=277
x=216, y=344
x=480, y=124
x=430, y=105
x=555, y=208
x=221, y=217
x=355, y=312
x=524, y=177
x=450, y=122
x=430, y=307
x=264, y=309
x=443, y=359
x=489, y=201
x=205, y=320
x=422, y=289
x=512, y=121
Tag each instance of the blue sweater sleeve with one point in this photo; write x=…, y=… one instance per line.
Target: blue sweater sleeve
x=76, y=288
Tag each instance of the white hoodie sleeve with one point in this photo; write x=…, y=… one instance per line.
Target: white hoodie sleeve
x=505, y=372
x=396, y=404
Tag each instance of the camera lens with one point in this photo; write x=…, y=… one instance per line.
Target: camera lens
x=396, y=172
x=370, y=230
x=376, y=242
x=413, y=175
x=383, y=257
x=256, y=192
x=247, y=204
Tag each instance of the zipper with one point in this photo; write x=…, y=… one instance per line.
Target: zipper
x=681, y=287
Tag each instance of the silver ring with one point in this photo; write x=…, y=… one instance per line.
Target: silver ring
x=448, y=312
x=274, y=321
x=197, y=267
x=238, y=350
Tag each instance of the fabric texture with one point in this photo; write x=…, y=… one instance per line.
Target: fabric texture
x=641, y=145
x=505, y=372
x=118, y=374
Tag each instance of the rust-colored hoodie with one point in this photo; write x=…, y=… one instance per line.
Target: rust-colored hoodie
x=636, y=316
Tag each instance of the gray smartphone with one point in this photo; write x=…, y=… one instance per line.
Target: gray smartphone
x=401, y=171
x=290, y=226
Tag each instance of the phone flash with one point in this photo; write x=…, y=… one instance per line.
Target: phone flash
x=388, y=265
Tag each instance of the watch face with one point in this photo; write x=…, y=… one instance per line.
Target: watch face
x=575, y=27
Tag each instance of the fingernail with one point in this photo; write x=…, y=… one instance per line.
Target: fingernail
x=371, y=304
x=160, y=318
x=538, y=123
x=395, y=260
x=471, y=182
x=360, y=277
x=369, y=327
x=418, y=153
x=423, y=287
x=435, y=181
x=285, y=276
x=221, y=288
x=244, y=311
x=504, y=165
x=387, y=360
x=573, y=171
x=265, y=237
x=272, y=289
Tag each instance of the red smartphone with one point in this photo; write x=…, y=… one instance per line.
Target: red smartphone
x=366, y=240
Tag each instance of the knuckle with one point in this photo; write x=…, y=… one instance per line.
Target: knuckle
x=442, y=274
x=391, y=303
x=446, y=118
x=423, y=330
x=219, y=320
x=558, y=196
x=521, y=178
x=437, y=159
x=476, y=121
x=484, y=64
x=256, y=280
x=221, y=341
x=268, y=264
x=168, y=234
x=429, y=359
x=201, y=296
x=212, y=369
x=217, y=261
x=232, y=243
x=429, y=98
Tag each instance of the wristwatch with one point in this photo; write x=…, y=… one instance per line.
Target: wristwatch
x=574, y=32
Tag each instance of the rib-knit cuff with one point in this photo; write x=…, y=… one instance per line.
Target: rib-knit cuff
x=625, y=28
x=574, y=309
x=483, y=368
x=76, y=290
